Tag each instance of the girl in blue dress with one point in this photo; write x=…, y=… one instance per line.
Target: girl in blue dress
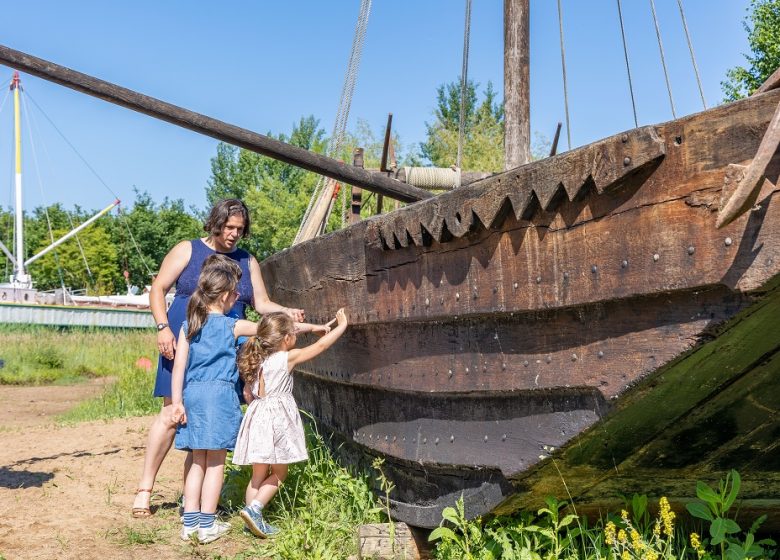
x=204, y=400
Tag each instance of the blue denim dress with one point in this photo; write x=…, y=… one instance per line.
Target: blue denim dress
x=210, y=399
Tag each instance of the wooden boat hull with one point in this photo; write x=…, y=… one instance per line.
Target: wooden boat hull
x=579, y=318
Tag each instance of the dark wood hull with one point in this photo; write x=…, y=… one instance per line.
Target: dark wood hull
x=582, y=308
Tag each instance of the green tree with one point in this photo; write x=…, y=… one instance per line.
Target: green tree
x=763, y=28
x=483, y=143
x=99, y=252
x=276, y=193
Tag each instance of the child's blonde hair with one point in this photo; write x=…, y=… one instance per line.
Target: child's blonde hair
x=271, y=331
x=218, y=276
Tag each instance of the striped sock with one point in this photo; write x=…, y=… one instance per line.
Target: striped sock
x=207, y=520
x=256, y=506
x=191, y=519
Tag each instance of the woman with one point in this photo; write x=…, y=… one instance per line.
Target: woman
x=227, y=224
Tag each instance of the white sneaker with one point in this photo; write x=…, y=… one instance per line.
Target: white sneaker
x=187, y=533
x=214, y=532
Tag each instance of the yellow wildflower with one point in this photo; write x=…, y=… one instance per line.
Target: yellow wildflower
x=624, y=515
x=622, y=536
x=667, y=515
x=636, y=540
x=650, y=555
x=657, y=528
x=609, y=533
x=696, y=544
x=625, y=555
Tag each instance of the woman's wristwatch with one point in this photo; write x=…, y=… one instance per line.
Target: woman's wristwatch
x=161, y=326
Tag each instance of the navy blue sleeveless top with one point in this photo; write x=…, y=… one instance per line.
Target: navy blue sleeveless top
x=185, y=286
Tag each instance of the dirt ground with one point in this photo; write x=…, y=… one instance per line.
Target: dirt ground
x=66, y=491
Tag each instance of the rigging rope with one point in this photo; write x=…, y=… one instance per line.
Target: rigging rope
x=690, y=49
x=663, y=58
x=342, y=114
x=99, y=178
x=30, y=125
x=563, y=66
x=464, y=73
x=628, y=66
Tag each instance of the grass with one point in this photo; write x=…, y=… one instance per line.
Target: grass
x=37, y=355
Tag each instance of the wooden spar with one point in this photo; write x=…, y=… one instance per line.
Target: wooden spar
x=208, y=126
x=357, y=193
x=517, y=111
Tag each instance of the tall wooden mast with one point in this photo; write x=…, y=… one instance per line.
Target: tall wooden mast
x=517, y=112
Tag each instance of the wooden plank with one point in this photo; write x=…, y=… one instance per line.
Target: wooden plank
x=772, y=82
x=357, y=193
x=381, y=541
x=202, y=124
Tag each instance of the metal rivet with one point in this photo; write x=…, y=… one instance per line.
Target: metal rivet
x=503, y=437
x=548, y=359
x=404, y=438
x=449, y=372
x=525, y=363
x=624, y=138
x=370, y=436
x=386, y=438
x=601, y=354
x=565, y=275
x=538, y=279
x=514, y=285
x=486, y=438
x=626, y=161
x=574, y=357
x=414, y=440
x=436, y=441
x=656, y=256
x=594, y=269
x=624, y=264
x=467, y=370
x=394, y=438
x=452, y=438
x=425, y=440
x=503, y=366
x=476, y=295
x=691, y=250
x=728, y=242
x=457, y=296
x=495, y=289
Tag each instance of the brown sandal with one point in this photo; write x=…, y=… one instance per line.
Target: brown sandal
x=140, y=512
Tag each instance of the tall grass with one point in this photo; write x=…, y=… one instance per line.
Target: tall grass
x=36, y=355
x=318, y=508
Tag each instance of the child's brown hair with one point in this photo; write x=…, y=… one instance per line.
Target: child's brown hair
x=271, y=331
x=218, y=276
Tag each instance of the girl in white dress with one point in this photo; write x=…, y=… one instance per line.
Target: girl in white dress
x=271, y=434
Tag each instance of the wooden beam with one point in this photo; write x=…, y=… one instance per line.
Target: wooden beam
x=772, y=82
x=208, y=126
x=357, y=192
x=517, y=107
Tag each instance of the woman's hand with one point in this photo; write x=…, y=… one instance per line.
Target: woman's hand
x=296, y=315
x=166, y=343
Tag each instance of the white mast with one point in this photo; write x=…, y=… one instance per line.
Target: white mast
x=20, y=278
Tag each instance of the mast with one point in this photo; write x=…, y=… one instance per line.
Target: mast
x=20, y=277
x=517, y=106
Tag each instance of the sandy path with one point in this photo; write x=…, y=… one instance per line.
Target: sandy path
x=66, y=491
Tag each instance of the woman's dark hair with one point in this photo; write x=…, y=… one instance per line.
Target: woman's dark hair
x=220, y=213
x=218, y=276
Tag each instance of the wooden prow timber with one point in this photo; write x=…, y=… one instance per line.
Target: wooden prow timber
x=208, y=126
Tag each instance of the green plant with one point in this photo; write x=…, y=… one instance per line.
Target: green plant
x=465, y=539
x=387, y=486
x=724, y=531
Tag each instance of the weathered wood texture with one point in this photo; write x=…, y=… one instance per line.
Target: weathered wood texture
x=378, y=541
x=517, y=83
x=375, y=182
x=609, y=316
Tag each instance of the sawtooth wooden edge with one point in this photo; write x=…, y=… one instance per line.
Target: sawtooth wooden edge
x=603, y=166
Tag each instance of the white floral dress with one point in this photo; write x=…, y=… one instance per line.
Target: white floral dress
x=271, y=431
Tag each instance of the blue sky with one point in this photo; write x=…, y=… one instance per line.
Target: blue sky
x=263, y=65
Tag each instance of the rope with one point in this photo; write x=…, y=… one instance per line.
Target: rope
x=433, y=177
x=463, y=84
x=40, y=188
x=628, y=66
x=342, y=114
x=563, y=66
x=690, y=49
x=663, y=58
